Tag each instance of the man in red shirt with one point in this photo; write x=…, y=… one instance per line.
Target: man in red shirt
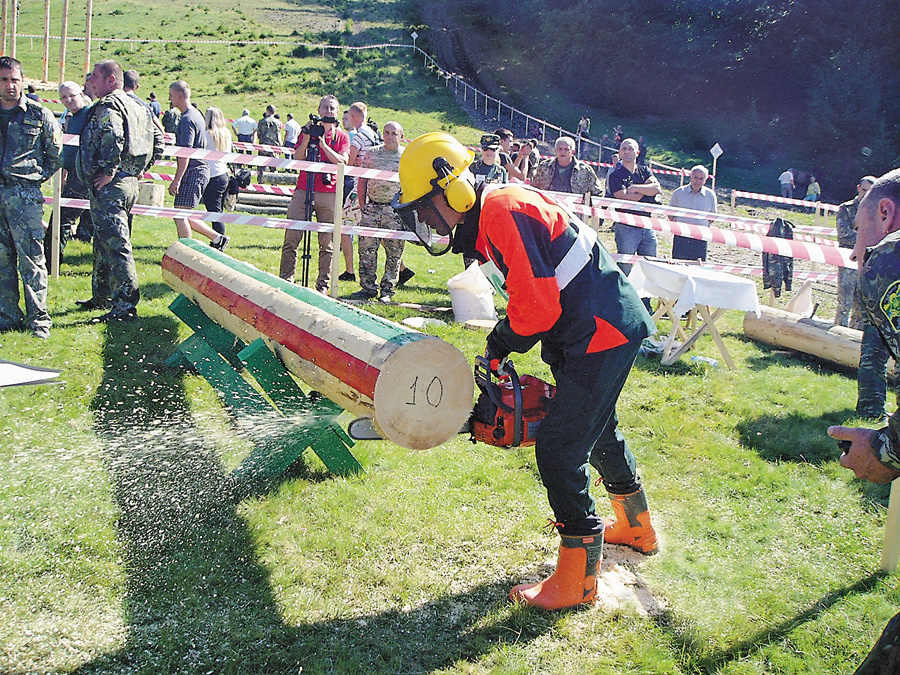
x=334, y=147
x=565, y=292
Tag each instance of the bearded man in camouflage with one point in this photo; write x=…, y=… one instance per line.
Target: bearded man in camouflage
x=119, y=142
x=31, y=142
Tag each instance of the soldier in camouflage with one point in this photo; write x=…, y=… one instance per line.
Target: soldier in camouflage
x=31, y=142
x=849, y=311
x=119, y=142
x=375, y=199
x=566, y=173
x=874, y=455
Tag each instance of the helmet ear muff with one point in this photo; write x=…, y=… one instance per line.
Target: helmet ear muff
x=460, y=194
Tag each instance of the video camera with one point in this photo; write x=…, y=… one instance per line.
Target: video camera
x=315, y=128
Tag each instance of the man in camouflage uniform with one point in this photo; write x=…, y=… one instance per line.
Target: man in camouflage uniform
x=873, y=356
x=849, y=312
x=874, y=455
x=565, y=173
x=31, y=142
x=375, y=199
x=119, y=142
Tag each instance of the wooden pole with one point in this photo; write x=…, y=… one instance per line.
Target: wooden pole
x=890, y=553
x=87, y=37
x=63, y=36
x=417, y=389
x=715, y=161
x=55, y=225
x=46, y=69
x=337, y=253
x=732, y=202
x=3, y=20
x=14, y=30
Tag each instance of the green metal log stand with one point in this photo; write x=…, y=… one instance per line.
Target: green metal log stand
x=310, y=420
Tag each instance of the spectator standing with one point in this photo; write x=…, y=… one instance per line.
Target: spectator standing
x=488, y=169
x=32, y=94
x=218, y=137
x=874, y=455
x=362, y=140
x=697, y=197
x=375, y=200
x=291, y=131
x=849, y=311
x=643, y=157
x=786, y=179
x=334, y=147
x=192, y=175
x=155, y=107
x=268, y=132
x=244, y=127
x=813, y=191
x=583, y=131
x=170, y=119
x=72, y=97
x=118, y=143
x=130, y=84
x=635, y=183
x=564, y=173
x=505, y=154
x=32, y=142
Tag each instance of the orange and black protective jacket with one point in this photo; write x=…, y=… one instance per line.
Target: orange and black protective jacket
x=564, y=288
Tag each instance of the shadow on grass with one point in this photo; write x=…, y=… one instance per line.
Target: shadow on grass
x=197, y=599
x=793, y=437
x=690, y=645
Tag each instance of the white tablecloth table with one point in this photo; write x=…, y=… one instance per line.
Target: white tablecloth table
x=682, y=288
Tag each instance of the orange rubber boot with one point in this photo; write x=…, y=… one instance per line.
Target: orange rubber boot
x=631, y=526
x=575, y=580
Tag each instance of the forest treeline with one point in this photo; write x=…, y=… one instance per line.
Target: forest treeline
x=809, y=81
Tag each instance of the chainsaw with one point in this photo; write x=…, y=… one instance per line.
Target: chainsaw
x=507, y=413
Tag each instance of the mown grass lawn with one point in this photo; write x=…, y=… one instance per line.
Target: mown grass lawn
x=124, y=550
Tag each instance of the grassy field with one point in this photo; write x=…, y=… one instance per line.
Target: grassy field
x=124, y=547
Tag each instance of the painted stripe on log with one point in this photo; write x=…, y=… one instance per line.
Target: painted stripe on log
x=417, y=388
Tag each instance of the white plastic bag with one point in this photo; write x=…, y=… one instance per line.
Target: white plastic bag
x=471, y=295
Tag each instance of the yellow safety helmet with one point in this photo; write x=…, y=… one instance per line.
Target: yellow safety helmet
x=432, y=164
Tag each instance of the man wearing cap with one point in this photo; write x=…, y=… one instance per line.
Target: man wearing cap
x=244, y=126
x=488, y=169
x=565, y=173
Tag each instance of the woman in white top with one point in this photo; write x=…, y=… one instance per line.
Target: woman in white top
x=218, y=137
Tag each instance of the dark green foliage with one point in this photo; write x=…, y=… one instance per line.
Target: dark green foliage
x=777, y=79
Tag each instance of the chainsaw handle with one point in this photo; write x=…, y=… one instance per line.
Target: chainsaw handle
x=483, y=378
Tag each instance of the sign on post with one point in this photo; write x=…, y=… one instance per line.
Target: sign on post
x=716, y=152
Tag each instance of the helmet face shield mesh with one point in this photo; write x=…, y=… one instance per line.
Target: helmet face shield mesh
x=437, y=237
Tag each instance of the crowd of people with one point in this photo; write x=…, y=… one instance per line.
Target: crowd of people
x=590, y=323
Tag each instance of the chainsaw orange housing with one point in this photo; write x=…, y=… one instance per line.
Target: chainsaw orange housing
x=536, y=394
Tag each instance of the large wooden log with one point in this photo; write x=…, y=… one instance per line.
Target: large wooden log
x=417, y=389
x=777, y=327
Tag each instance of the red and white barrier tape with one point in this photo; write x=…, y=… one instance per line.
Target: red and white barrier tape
x=784, y=200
